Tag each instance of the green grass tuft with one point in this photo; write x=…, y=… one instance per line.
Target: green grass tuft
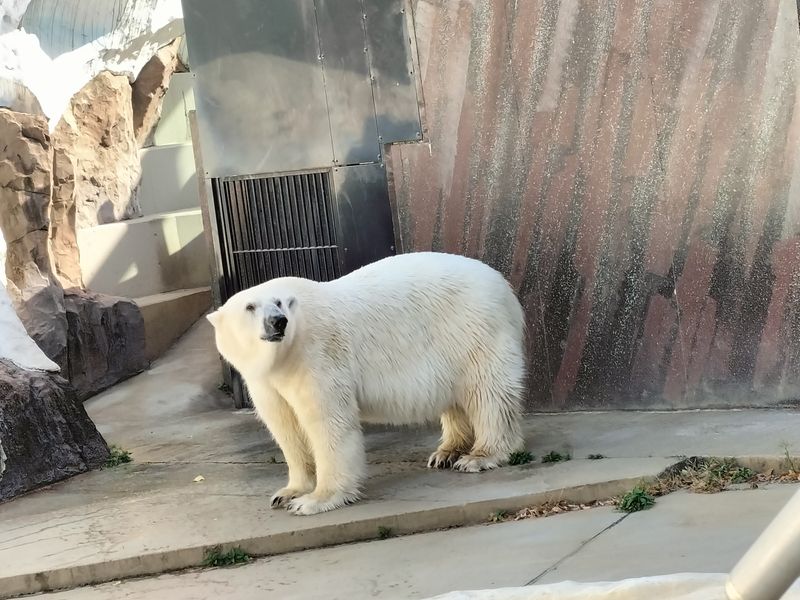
x=554, y=457
x=635, y=500
x=384, y=533
x=498, y=516
x=118, y=457
x=520, y=457
x=595, y=457
x=215, y=557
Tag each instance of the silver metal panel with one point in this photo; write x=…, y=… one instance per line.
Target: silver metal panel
x=347, y=80
x=259, y=91
x=364, y=215
x=391, y=64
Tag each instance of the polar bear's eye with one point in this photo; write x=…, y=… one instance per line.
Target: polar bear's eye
x=278, y=303
x=250, y=307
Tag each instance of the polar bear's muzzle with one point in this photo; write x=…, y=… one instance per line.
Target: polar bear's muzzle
x=274, y=328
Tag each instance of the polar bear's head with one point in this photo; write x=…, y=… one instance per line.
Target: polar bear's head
x=253, y=325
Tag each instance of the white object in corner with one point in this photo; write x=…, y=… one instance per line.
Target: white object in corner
x=15, y=343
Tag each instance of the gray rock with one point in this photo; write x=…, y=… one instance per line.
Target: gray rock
x=105, y=340
x=45, y=433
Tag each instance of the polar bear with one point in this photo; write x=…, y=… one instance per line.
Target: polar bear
x=408, y=339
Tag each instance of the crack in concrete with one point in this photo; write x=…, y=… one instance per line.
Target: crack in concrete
x=566, y=557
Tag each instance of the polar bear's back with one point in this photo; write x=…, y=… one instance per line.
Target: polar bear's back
x=423, y=327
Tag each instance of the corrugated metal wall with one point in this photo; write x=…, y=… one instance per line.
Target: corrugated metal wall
x=633, y=166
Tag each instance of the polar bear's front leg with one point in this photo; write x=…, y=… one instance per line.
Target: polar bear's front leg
x=282, y=423
x=331, y=423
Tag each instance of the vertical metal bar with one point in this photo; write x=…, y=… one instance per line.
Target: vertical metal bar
x=234, y=283
x=244, y=257
x=319, y=207
x=291, y=220
x=255, y=227
x=336, y=255
x=286, y=227
x=296, y=241
x=297, y=194
x=319, y=223
x=328, y=231
x=311, y=228
x=263, y=225
x=223, y=241
x=241, y=225
x=250, y=217
x=277, y=223
x=248, y=230
x=305, y=239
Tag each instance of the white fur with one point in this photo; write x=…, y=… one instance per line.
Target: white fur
x=408, y=339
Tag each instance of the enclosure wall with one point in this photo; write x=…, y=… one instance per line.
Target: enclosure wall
x=633, y=167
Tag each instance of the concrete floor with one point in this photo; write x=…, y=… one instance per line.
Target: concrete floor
x=150, y=516
x=683, y=533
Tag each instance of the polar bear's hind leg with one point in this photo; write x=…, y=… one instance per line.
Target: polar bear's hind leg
x=457, y=439
x=494, y=408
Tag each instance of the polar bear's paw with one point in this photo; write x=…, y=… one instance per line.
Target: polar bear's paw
x=443, y=459
x=285, y=495
x=312, y=504
x=470, y=463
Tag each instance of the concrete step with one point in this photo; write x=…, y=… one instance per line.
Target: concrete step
x=145, y=256
x=169, y=315
x=169, y=180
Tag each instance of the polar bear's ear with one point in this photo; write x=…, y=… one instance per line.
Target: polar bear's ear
x=214, y=317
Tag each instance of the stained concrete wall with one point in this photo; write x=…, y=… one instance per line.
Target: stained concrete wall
x=633, y=167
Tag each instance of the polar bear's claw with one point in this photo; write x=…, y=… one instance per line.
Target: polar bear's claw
x=443, y=459
x=311, y=505
x=470, y=463
x=283, y=496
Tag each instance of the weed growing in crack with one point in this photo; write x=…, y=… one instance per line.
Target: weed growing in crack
x=788, y=457
x=595, y=457
x=635, y=500
x=520, y=457
x=215, y=557
x=498, y=516
x=554, y=457
x=384, y=533
x=118, y=457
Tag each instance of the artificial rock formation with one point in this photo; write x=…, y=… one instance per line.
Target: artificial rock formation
x=45, y=433
x=149, y=88
x=106, y=341
x=96, y=340
x=63, y=236
x=25, y=191
x=97, y=132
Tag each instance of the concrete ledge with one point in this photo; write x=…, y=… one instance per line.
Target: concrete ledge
x=169, y=315
x=270, y=544
x=362, y=521
x=144, y=256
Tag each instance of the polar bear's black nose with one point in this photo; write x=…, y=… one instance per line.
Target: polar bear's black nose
x=278, y=323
